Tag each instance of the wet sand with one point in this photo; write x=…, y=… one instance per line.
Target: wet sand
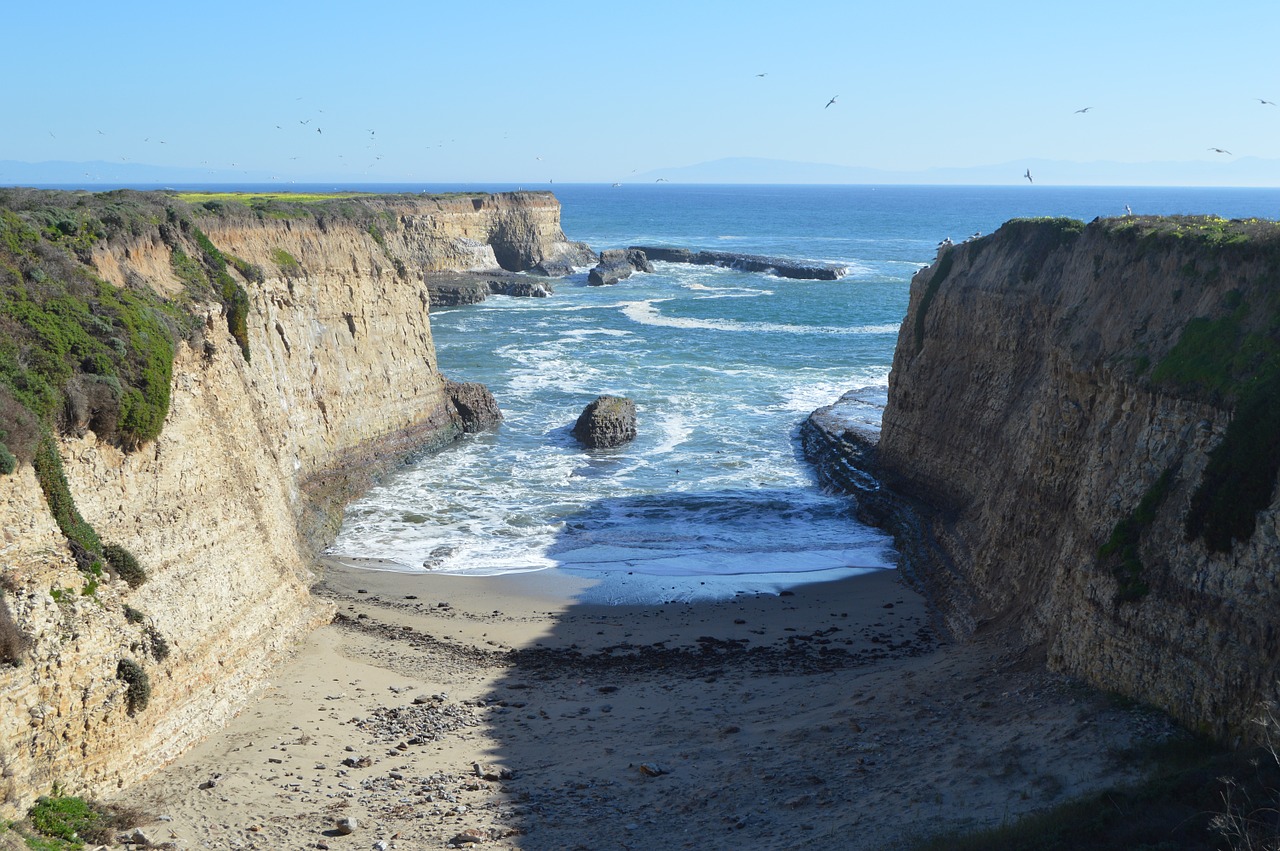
x=499, y=712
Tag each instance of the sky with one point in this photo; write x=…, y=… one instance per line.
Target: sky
x=498, y=91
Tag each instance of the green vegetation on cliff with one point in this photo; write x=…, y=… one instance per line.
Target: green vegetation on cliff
x=1121, y=549
x=1229, y=358
x=60, y=822
x=78, y=353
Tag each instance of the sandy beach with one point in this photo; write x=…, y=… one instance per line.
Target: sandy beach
x=499, y=712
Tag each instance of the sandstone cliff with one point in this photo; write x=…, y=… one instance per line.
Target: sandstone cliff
x=1081, y=442
x=248, y=475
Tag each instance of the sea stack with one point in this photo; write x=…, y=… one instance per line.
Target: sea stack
x=607, y=422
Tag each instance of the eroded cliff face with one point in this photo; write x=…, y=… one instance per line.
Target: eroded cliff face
x=1045, y=379
x=226, y=508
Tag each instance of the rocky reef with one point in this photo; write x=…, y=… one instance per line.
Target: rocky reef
x=1080, y=445
x=202, y=383
x=779, y=266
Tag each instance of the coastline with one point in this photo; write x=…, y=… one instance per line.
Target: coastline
x=501, y=712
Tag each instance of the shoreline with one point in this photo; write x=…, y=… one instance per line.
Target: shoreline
x=500, y=712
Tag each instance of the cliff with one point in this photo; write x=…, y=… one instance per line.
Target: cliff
x=302, y=365
x=1080, y=445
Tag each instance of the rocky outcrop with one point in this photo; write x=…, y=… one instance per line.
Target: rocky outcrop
x=476, y=407
x=1079, y=445
x=256, y=458
x=781, y=267
x=617, y=264
x=574, y=256
x=607, y=422
x=452, y=289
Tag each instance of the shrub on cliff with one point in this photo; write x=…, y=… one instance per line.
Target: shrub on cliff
x=72, y=821
x=85, y=542
x=8, y=463
x=13, y=642
x=57, y=322
x=138, y=685
x=124, y=565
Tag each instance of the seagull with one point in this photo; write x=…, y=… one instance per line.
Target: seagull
x=833, y=100
x=1028, y=176
x=308, y=121
x=661, y=180
x=1267, y=102
x=1221, y=151
x=318, y=130
x=761, y=75
x=1086, y=109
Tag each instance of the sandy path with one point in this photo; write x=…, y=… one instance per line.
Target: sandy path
x=438, y=710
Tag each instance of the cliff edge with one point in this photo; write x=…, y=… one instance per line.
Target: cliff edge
x=210, y=380
x=1080, y=445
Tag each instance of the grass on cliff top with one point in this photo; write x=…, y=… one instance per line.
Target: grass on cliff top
x=1213, y=231
x=251, y=198
x=298, y=205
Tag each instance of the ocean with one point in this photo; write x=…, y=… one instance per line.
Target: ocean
x=713, y=498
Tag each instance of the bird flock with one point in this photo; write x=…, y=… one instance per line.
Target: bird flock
x=371, y=153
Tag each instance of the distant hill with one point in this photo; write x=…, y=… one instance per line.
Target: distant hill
x=1242, y=171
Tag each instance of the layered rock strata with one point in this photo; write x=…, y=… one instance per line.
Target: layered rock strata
x=248, y=477
x=1072, y=412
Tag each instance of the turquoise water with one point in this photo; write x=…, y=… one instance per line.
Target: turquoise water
x=712, y=498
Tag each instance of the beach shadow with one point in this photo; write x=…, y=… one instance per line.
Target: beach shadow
x=681, y=722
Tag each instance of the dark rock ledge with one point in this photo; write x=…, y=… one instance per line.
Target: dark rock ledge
x=617, y=264
x=779, y=266
x=450, y=289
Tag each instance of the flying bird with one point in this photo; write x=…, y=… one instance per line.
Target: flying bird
x=1221, y=151
x=1267, y=102
x=1028, y=176
x=1086, y=109
x=833, y=100
x=761, y=75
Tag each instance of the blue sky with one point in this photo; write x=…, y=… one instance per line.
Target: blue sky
x=596, y=92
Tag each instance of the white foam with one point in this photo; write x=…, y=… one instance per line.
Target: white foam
x=646, y=313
